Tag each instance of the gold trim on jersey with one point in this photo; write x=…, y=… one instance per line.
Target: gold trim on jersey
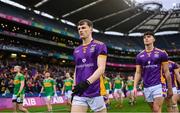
x=102, y=86
x=165, y=62
x=102, y=56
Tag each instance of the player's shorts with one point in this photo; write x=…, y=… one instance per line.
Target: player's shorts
x=174, y=89
x=107, y=91
x=47, y=98
x=164, y=90
x=118, y=91
x=178, y=91
x=68, y=94
x=130, y=92
x=153, y=92
x=95, y=103
x=18, y=99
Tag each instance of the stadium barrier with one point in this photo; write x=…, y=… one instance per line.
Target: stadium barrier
x=6, y=103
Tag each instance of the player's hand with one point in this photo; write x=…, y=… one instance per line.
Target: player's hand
x=81, y=87
x=18, y=95
x=40, y=95
x=135, y=91
x=169, y=93
x=55, y=94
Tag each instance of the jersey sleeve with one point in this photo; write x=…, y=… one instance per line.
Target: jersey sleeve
x=164, y=57
x=102, y=49
x=21, y=78
x=138, y=61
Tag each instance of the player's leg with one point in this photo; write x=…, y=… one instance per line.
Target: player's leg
x=48, y=103
x=21, y=108
x=121, y=96
x=14, y=107
x=79, y=105
x=157, y=98
x=157, y=104
x=14, y=100
x=115, y=94
x=174, y=101
x=132, y=97
x=69, y=97
x=20, y=104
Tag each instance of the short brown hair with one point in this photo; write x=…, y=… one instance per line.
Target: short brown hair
x=83, y=21
x=149, y=33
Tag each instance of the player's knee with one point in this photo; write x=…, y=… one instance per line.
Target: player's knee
x=156, y=108
x=174, y=106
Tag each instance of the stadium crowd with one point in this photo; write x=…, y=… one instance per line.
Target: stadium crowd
x=34, y=75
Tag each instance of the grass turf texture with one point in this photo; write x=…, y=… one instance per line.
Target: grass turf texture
x=140, y=106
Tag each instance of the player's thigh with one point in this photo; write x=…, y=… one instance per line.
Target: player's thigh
x=175, y=98
x=158, y=101
x=79, y=104
x=79, y=109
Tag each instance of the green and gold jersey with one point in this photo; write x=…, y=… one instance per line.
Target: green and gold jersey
x=130, y=84
x=48, y=85
x=68, y=83
x=107, y=83
x=17, y=83
x=118, y=83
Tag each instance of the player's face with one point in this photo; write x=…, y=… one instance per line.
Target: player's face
x=67, y=75
x=16, y=69
x=84, y=31
x=148, y=39
x=47, y=75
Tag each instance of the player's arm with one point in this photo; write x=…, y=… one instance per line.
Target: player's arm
x=54, y=87
x=137, y=76
x=122, y=83
x=63, y=88
x=168, y=77
x=74, y=78
x=42, y=89
x=101, y=62
x=21, y=87
x=110, y=85
x=176, y=72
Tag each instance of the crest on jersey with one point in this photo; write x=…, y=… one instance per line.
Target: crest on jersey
x=170, y=66
x=156, y=55
x=92, y=49
x=83, y=60
x=77, y=51
x=142, y=56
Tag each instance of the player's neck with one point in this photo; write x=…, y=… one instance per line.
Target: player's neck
x=86, y=41
x=149, y=48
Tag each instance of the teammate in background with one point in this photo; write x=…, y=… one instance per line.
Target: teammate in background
x=172, y=106
x=18, y=94
x=178, y=85
x=49, y=89
x=129, y=87
x=90, y=62
x=67, y=87
x=150, y=63
x=107, y=83
x=118, y=93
